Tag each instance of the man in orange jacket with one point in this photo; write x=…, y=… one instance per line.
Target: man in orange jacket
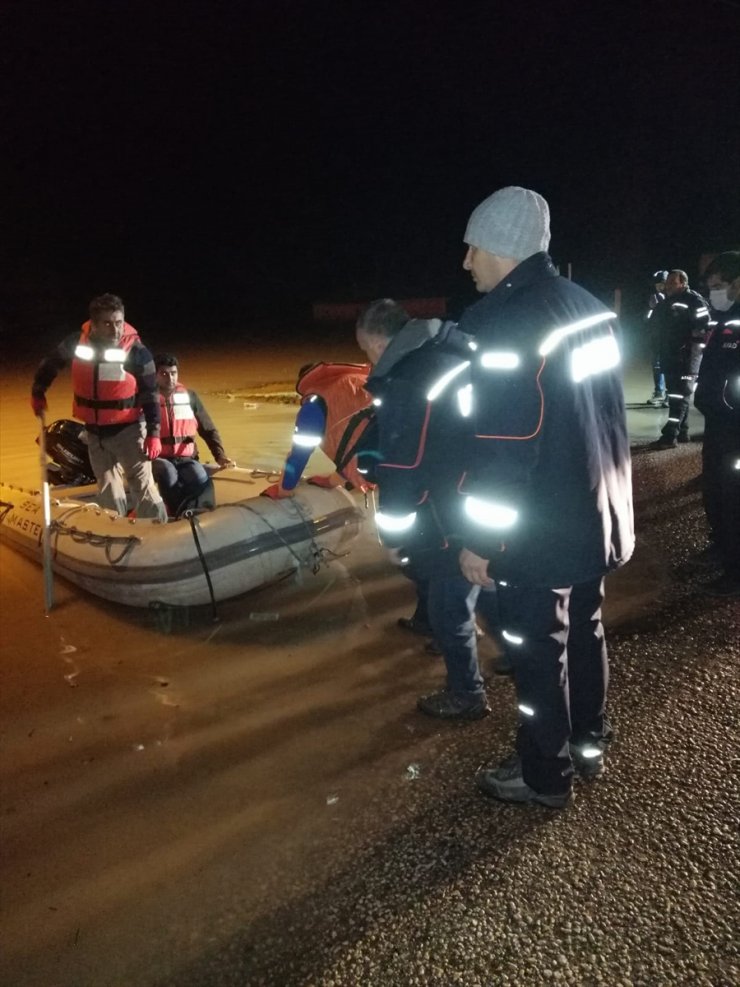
x=334, y=413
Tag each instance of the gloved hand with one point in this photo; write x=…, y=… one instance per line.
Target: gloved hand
x=38, y=405
x=276, y=492
x=152, y=446
x=328, y=482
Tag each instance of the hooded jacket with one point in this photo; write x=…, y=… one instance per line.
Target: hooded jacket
x=421, y=435
x=548, y=492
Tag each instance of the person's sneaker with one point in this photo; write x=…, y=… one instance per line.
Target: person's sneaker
x=663, y=444
x=724, y=588
x=447, y=706
x=658, y=399
x=415, y=626
x=706, y=559
x=684, y=437
x=507, y=784
x=588, y=760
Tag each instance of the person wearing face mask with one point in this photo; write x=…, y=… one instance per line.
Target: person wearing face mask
x=681, y=321
x=115, y=395
x=718, y=398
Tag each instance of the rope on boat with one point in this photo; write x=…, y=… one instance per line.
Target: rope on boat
x=317, y=553
x=190, y=514
x=126, y=542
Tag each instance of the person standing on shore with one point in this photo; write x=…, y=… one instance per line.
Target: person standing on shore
x=115, y=395
x=718, y=399
x=419, y=366
x=548, y=490
x=681, y=322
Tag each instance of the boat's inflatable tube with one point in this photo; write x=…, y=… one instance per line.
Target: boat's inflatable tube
x=241, y=544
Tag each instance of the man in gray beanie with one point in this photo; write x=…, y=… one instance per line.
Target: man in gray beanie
x=547, y=497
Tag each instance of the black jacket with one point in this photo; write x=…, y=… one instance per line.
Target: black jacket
x=421, y=436
x=717, y=394
x=680, y=323
x=550, y=432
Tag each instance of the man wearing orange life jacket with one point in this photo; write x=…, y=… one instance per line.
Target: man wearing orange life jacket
x=179, y=475
x=115, y=396
x=331, y=416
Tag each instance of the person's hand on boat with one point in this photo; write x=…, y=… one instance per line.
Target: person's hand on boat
x=153, y=446
x=38, y=405
x=328, y=482
x=276, y=492
x=225, y=463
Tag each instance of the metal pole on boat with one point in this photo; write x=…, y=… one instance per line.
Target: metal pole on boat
x=46, y=529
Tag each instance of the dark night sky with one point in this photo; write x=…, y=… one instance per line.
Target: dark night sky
x=212, y=161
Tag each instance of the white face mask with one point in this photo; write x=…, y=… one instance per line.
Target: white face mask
x=719, y=299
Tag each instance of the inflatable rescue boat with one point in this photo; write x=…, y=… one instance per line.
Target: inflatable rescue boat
x=205, y=556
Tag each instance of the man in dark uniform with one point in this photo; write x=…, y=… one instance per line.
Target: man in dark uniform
x=718, y=398
x=419, y=368
x=680, y=321
x=659, y=398
x=547, y=494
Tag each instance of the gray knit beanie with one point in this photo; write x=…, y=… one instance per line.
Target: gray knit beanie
x=513, y=222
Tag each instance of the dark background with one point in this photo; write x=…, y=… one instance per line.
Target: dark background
x=221, y=165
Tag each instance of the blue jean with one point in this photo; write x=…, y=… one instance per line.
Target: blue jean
x=179, y=480
x=452, y=602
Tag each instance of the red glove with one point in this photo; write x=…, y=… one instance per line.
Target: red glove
x=328, y=482
x=153, y=446
x=38, y=405
x=276, y=492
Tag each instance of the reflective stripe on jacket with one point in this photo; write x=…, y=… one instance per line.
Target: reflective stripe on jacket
x=341, y=386
x=105, y=393
x=178, y=425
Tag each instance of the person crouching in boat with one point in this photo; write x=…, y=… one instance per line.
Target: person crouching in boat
x=335, y=410
x=180, y=477
x=115, y=395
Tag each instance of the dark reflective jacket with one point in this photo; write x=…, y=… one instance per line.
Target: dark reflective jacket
x=550, y=431
x=420, y=438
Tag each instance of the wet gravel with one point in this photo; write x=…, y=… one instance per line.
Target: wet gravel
x=425, y=882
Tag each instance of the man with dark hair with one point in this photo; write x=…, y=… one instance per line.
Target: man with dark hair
x=680, y=322
x=718, y=398
x=179, y=475
x=547, y=492
x=419, y=369
x=115, y=395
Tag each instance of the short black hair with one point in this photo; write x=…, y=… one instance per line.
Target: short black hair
x=165, y=360
x=105, y=303
x=383, y=317
x=726, y=265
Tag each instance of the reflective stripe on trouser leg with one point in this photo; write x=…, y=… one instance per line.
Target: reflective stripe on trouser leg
x=452, y=602
x=588, y=667
x=540, y=616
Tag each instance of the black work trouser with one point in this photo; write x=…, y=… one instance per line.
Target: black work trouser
x=555, y=639
x=679, y=391
x=720, y=441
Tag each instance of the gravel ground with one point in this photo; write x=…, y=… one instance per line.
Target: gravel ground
x=429, y=883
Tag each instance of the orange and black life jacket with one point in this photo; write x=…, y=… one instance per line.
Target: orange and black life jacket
x=179, y=425
x=104, y=392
